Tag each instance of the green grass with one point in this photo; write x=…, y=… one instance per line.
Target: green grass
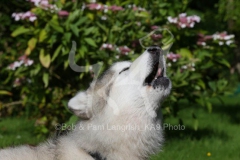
x=218, y=133
x=15, y=131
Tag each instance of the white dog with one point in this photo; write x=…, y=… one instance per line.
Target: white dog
x=120, y=116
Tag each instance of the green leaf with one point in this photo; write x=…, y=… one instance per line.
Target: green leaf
x=221, y=84
x=28, y=51
x=74, y=15
x=67, y=36
x=32, y=43
x=195, y=124
x=201, y=83
x=184, y=75
x=75, y=30
x=183, y=83
x=105, y=29
x=56, y=53
x=66, y=64
x=223, y=62
x=143, y=14
x=90, y=16
x=213, y=86
x=209, y=107
x=184, y=52
x=200, y=101
x=3, y=92
x=195, y=76
x=73, y=119
x=203, y=54
x=207, y=65
x=44, y=59
x=162, y=4
x=163, y=12
x=45, y=79
x=20, y=30
x=82, y=51
x=42, y=35
x=81, y=21
x=89, y=30
x=36, y=70
x=173, y=99
x=55, y=25
x=44, y=130
x=90, y=42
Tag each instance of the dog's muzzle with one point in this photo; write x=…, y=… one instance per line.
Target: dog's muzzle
x=156, y=77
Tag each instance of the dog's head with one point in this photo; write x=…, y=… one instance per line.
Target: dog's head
x=140, y=84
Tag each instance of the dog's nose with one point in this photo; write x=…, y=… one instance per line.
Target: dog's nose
x=154, y=49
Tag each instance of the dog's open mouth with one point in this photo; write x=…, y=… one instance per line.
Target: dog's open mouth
x=156, y=73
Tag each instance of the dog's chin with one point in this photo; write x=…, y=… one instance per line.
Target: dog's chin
x=161, y=82
x=156, y=78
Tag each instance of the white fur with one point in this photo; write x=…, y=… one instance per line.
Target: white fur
x=113, y=103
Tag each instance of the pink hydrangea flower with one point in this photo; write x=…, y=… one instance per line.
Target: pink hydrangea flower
x=23, y=60
x=156, y=36
x=44, y=4
x=23, y=16
x=172, y=20
x=107, y=46
x=63, y=13
x=154, y=27
x=190, y=66
x=135, y=8
x=220, y=38
x=203, y=38
x=18, y=81
x=105, y=8
x=95, y=6
x=135, y=43
x=173, y=57
x=124, y=50
x=36, y=2
x=184, y=21
x=115, y=8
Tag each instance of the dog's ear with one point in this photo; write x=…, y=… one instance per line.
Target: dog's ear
x=79, y=106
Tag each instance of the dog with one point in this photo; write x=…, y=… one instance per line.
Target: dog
x=118, y=112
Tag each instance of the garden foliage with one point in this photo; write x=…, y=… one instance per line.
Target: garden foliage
x=36, y=79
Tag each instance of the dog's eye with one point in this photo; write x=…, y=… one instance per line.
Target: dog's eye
x=124, y=70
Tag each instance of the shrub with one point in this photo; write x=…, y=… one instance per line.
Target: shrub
x=39, y=76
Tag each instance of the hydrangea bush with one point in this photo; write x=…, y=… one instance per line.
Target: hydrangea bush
x=42, y=81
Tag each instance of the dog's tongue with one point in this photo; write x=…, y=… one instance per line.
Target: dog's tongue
x=159, y=73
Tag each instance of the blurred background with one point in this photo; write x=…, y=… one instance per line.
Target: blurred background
x=36, y=80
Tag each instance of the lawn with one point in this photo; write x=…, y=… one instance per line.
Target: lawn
x=15, y=131
x=217, y=137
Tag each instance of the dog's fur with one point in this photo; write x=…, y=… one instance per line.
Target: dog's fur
x=119, y=111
